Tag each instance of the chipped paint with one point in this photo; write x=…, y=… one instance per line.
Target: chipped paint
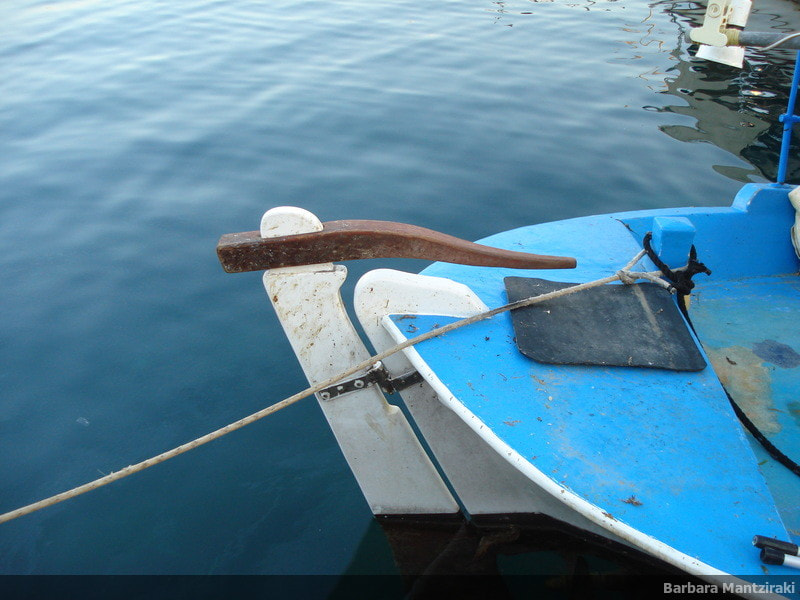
x=747, y=379
x=632, y=500
x=538, y=380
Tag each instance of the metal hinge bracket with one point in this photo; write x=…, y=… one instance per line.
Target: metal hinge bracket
x=377, y=375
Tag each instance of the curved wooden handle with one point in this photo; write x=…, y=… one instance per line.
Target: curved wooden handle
x=351, y=240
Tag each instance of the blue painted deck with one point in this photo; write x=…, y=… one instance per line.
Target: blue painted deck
x=660, y=451
x=754, y=323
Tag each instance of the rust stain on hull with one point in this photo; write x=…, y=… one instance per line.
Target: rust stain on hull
x=748, y=380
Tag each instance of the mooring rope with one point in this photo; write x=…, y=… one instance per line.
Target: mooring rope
x=624, y=275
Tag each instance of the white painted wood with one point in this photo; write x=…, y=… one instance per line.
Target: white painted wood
x=394, y=472
x=484, y=481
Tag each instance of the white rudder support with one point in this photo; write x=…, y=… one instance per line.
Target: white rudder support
x=395, y=474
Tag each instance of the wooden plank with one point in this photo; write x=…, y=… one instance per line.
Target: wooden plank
x=357, y=239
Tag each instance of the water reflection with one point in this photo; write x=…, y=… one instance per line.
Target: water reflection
x=510, y=8
x=736, y=110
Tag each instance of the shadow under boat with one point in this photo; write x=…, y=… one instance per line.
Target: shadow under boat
x=502, y=556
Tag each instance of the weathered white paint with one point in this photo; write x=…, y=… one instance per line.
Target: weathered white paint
x=395, y=474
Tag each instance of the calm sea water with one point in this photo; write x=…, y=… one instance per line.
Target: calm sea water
x=134, y=133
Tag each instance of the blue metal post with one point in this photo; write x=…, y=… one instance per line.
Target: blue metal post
x=788, y=120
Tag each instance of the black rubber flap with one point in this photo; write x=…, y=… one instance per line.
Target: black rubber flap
x=612, y=325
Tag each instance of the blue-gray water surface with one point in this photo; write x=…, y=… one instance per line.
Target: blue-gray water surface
x=134, y=133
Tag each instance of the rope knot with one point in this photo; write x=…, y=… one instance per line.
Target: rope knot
x=626, y=277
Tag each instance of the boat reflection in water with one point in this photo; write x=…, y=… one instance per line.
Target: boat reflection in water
x=736, y=110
